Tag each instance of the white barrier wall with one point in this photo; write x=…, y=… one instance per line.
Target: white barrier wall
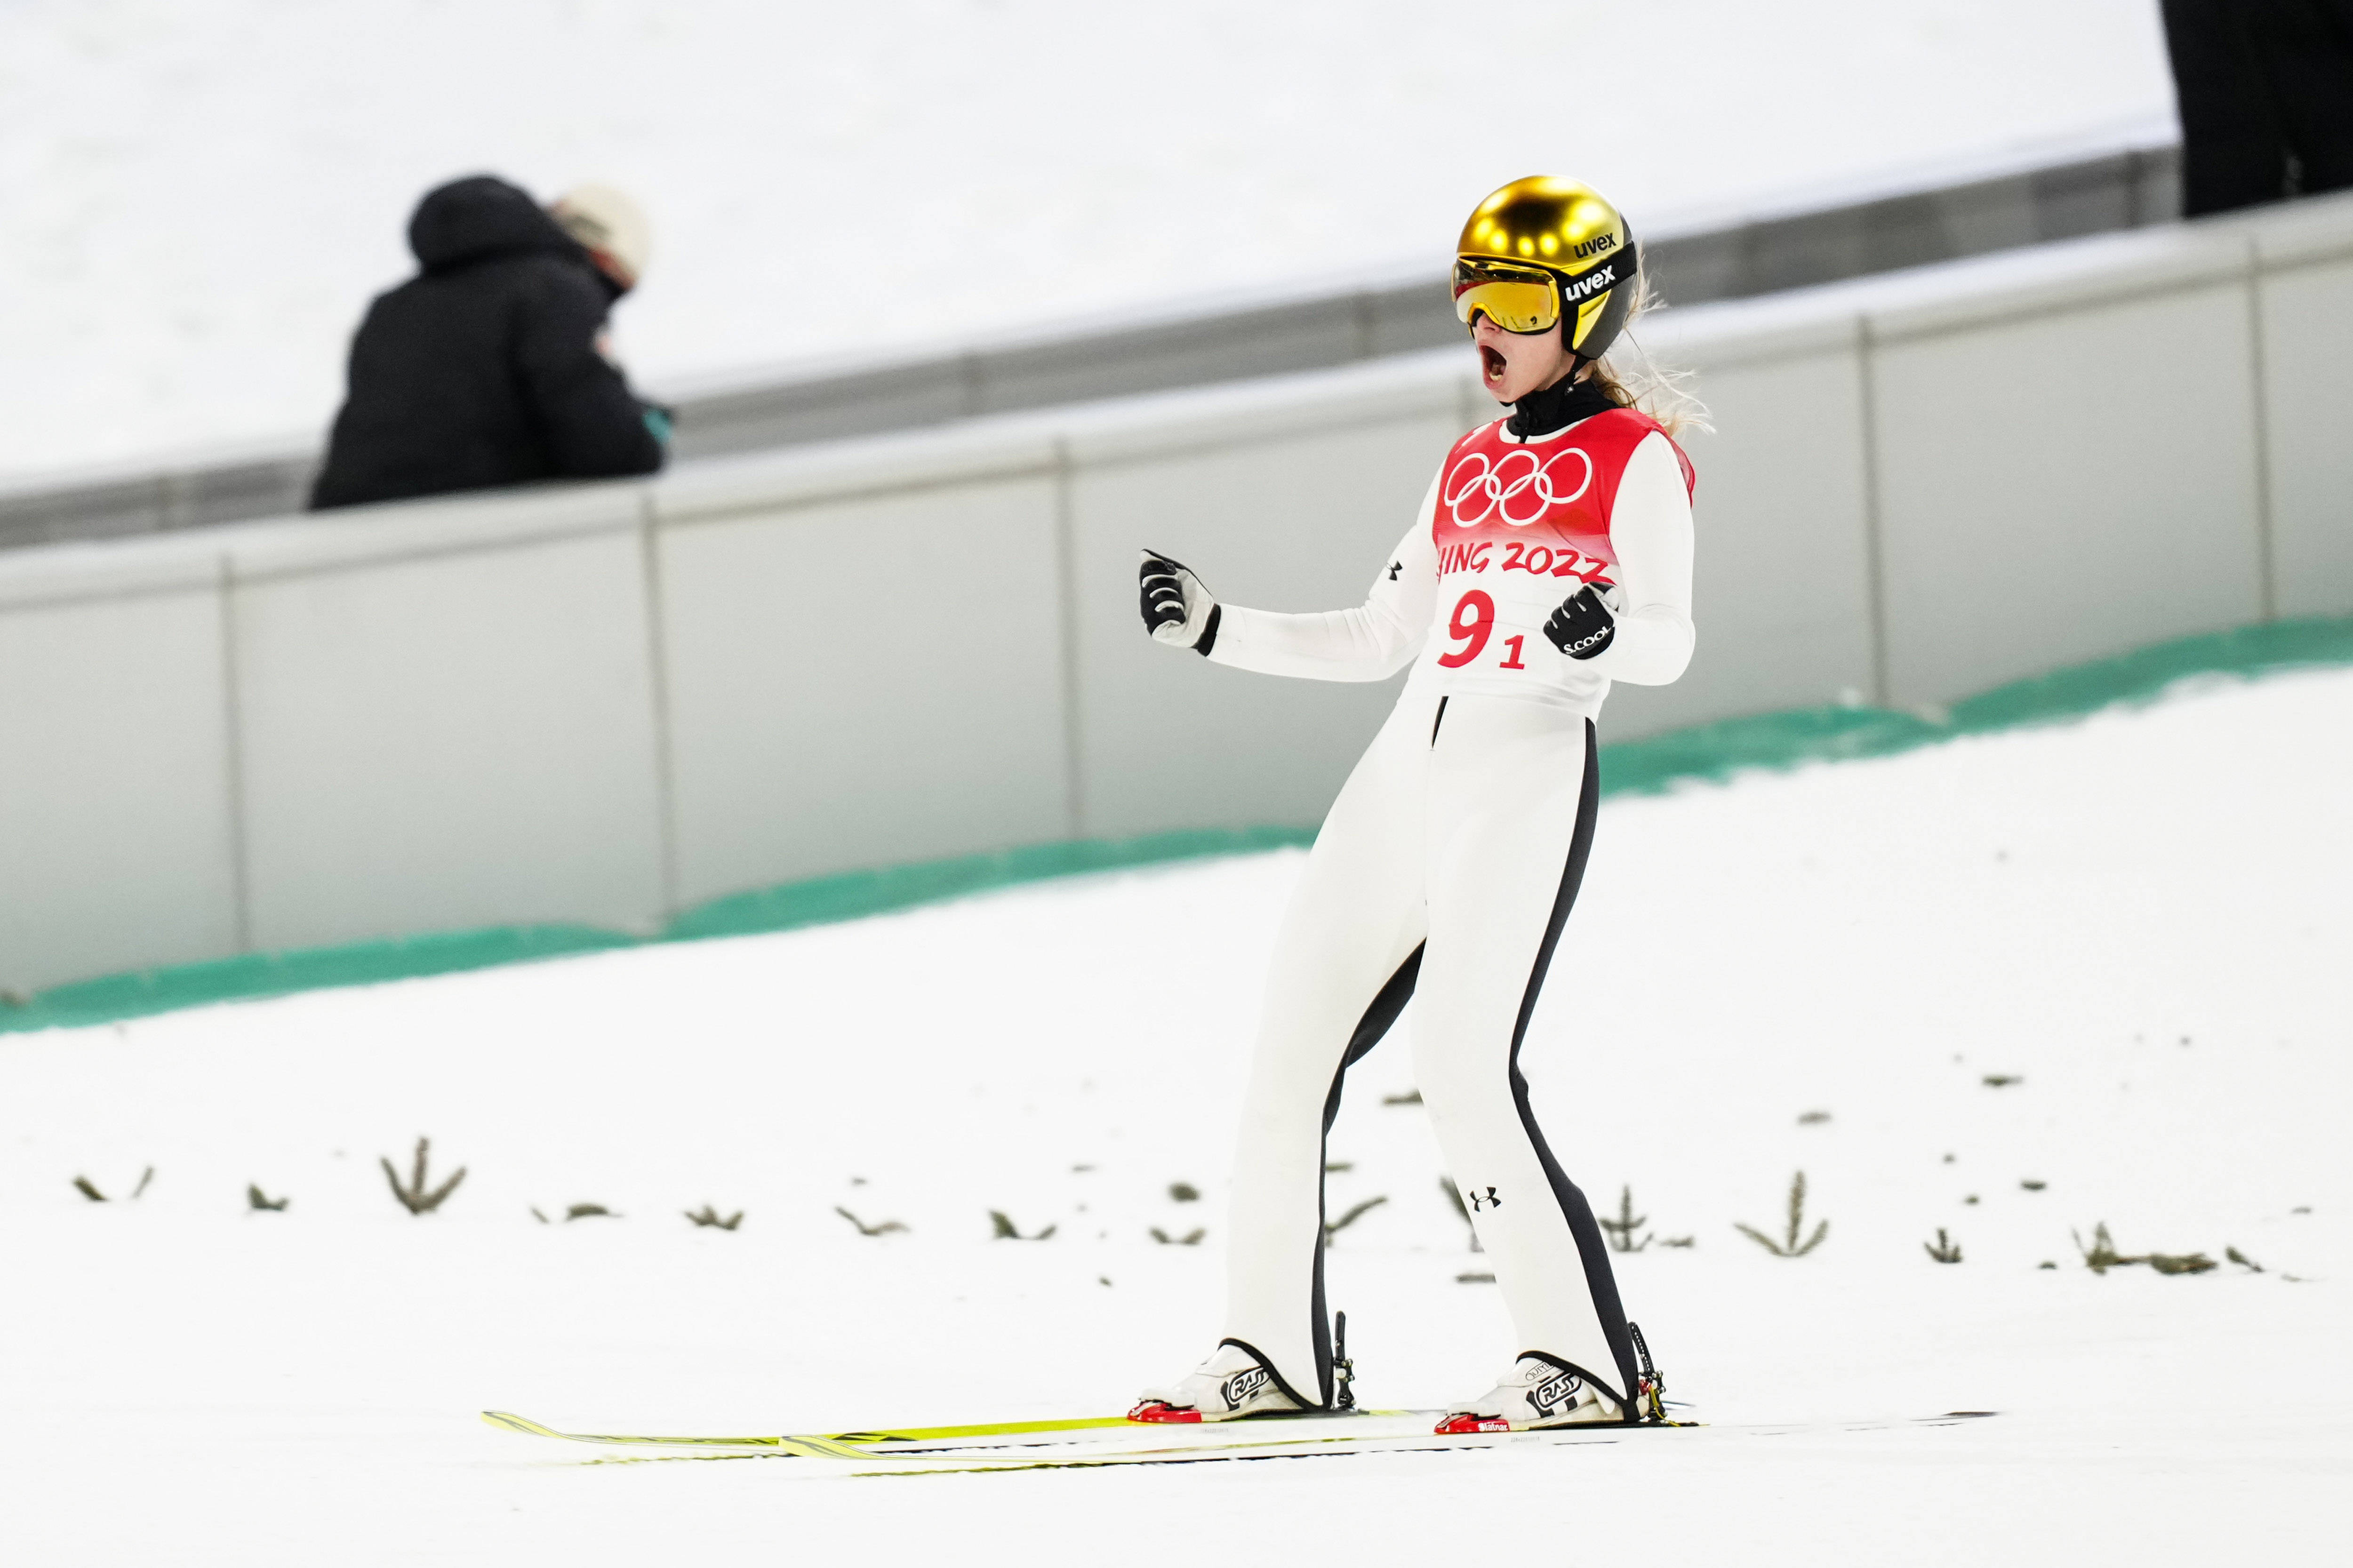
x=607, y=703
x=2304, y=306
x=437, y=735
x=118, y=800
x=863, y=673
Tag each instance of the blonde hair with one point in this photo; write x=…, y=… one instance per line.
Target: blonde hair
x=1632, y=379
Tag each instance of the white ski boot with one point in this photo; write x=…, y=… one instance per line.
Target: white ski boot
x=1536, y=1392
x=1230, y=1384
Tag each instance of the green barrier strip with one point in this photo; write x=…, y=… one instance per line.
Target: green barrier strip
x=256, y=975
x=814, y=902
x=1787, y=740
x=856, y=893
x=1708, y=752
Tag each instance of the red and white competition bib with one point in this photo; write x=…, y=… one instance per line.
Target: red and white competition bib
x=1518, y=528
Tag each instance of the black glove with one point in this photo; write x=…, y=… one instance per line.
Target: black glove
x=1178, y=610
x=1583, y=624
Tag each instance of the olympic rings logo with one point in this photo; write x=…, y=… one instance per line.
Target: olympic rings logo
x=1495, y=485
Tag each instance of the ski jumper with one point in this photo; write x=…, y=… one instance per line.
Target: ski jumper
x=1448, y=864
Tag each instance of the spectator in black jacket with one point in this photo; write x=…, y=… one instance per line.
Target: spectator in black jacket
x=489, y=367
x=2265, y=88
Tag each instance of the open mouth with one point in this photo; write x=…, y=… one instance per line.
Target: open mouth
x=1491, y=363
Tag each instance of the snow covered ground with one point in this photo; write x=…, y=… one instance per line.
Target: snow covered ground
x=2136, y=924
x=202, y=194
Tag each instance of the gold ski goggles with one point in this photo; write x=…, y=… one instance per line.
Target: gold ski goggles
x=1516, y=298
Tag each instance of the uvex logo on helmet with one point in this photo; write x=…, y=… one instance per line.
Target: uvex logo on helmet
x=1594, y=246
x=1584, y=287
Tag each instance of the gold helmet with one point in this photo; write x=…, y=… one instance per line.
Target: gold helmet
x=1541, y=246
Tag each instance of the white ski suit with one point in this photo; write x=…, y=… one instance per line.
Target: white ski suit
x=1448, y=864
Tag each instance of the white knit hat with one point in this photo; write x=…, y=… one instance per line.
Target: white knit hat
x=610, y=226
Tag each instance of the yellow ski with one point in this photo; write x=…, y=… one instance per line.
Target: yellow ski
x=863, y=1445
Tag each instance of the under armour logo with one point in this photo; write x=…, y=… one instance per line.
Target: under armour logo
x=1395, y=567
x=1490, y=1201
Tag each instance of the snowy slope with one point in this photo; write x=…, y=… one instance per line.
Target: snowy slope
x=2138, y=918
x=203, y=194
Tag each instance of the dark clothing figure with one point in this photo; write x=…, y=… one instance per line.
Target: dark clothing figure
x=2265, y=88
x=484, y=369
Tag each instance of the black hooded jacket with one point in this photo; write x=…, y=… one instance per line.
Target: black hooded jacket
x=483, y=369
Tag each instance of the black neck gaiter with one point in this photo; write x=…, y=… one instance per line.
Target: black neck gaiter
x=1557, y=407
